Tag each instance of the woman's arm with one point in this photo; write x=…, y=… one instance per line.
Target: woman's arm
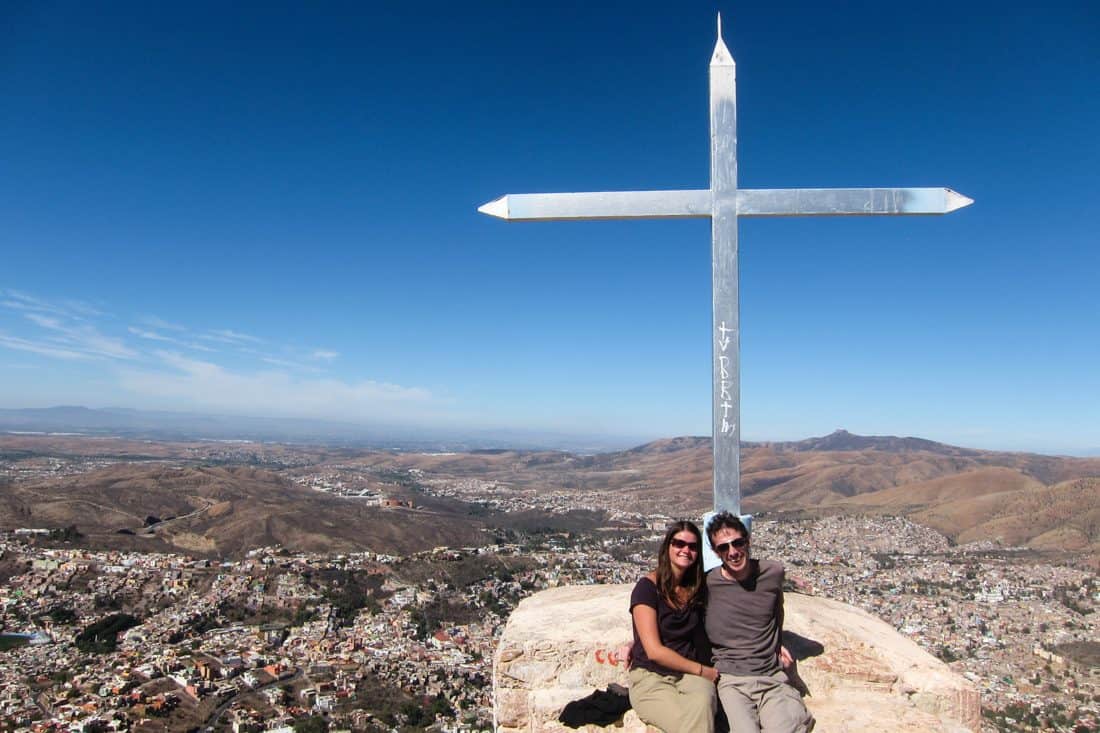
x=645, y=621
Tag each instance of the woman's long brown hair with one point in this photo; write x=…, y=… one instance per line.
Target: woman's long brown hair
x=693, y=578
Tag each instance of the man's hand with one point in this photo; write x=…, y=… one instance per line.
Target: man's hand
x=790, y=667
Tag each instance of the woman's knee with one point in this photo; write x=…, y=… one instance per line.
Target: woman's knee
x=702, y=692
x=698, y=703
x=654, y=698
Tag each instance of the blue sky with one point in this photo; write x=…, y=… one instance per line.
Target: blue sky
x=271, y=210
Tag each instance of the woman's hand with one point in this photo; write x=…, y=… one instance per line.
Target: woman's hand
x=710, y=673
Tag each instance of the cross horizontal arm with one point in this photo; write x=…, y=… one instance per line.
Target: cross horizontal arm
x=599, y=205
x=750, y=202
x=848, y=201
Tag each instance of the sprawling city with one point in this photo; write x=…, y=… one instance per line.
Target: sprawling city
x=98, y=639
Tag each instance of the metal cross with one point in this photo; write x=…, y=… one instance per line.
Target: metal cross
x=724, y=203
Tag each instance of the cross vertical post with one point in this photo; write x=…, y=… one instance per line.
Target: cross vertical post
x=725, y=281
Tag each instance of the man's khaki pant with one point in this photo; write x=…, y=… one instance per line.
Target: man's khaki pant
x=673, y=703
x=765, y=704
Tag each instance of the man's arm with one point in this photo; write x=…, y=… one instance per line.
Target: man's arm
x=785, y=658
x=779, y=605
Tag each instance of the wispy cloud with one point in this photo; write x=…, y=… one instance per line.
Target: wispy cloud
x=15, y=304
x=208, y=385
x=275, y=361
x=80, y=308
x=151, y=335
x=44, y=321
x=23, y=302
x=174, y=364
x=70, y=308
x=154, y=322
x=68, y=334
x=227, y=336
x=82, y=337
x=155, y=336
x=35, y=347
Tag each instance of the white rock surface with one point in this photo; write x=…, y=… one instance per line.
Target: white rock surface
x=862, y=675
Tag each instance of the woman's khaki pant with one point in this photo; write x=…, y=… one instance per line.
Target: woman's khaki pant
x=673, y=703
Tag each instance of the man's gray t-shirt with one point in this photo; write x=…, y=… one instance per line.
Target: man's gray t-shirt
x=745, y=620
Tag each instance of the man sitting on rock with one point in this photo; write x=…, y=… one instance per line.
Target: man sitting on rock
x=745, y=625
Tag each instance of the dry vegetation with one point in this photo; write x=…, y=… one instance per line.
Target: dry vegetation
x=1047, y=502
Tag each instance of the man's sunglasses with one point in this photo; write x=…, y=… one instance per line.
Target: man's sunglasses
x=740, y=543
x=680, y=544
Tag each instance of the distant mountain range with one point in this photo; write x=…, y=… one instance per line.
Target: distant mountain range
x=842, y=440
x=161, y=425
x=839, y=440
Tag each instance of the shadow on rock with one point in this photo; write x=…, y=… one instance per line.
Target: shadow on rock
x=800, y=648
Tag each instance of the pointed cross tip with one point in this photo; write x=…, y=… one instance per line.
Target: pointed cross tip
x=956, y=200
x=496, y=207
x=721, y=56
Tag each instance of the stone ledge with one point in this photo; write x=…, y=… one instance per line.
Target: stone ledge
x=862, y=675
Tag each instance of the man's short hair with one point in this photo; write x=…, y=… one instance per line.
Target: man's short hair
x=725, y=520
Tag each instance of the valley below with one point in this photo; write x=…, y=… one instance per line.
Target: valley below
x=244, y=585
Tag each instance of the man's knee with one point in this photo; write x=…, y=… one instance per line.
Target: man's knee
x=738, y=705
x=793, y=718
x=782, y=711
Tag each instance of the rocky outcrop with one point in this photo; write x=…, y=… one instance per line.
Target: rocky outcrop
x=860, y=674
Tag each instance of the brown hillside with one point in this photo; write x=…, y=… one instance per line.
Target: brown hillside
x=966, y=485
x=224, y=511
x=827, y=477
x=674, y=476
x=1064, y=516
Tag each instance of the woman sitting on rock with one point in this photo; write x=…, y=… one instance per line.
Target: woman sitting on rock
x=670, y=687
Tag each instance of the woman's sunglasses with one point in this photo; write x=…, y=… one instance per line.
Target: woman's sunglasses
x=681, y=544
